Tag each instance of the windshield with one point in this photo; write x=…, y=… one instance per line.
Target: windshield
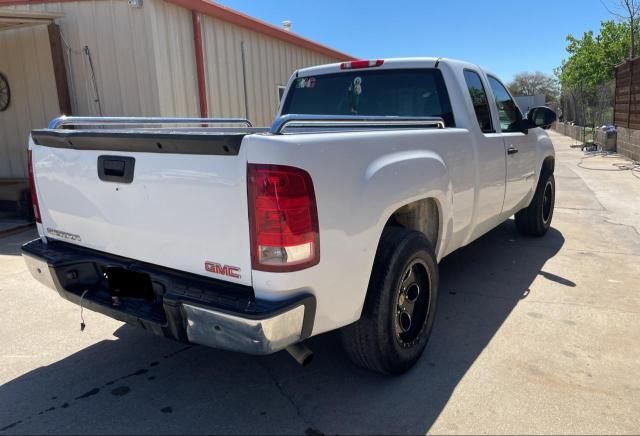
x=417, y=93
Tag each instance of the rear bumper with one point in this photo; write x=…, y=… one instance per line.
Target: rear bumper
x=186, y=307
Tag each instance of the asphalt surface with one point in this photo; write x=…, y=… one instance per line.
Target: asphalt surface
x=531, y=336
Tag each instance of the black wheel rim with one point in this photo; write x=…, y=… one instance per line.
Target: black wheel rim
x=547, y=202
x=412, y=303
x=5, y=93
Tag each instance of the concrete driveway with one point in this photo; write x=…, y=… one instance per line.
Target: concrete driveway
x=532, y=336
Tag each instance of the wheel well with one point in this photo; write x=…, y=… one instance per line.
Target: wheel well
x=548, y=165
x=421, y=215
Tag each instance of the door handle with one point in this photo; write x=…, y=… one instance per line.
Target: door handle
x=511, y=150
x=117, y=169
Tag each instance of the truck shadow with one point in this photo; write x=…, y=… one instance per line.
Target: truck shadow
x=10, y=244
x=143, y=384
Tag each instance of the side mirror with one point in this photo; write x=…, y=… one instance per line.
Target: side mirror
x=540, y=117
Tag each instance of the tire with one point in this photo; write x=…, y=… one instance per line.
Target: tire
x=535, y=219
x=404, y=281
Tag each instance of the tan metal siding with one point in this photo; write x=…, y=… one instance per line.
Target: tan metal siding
x=124, y=70
x=26, y=61
x=172, y=38
x=145, y=64
x=119, y=39
x=269, y=63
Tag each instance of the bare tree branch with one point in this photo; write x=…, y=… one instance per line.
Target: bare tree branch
x=630, y=13
x=620, y=16
x=534, y=83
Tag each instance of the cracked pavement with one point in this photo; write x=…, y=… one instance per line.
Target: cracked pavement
x=531, y=336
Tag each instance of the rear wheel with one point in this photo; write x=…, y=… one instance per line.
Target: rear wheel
x=535, y=220
x=400, y=305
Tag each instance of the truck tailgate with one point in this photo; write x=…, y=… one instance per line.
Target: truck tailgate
x=185, y=206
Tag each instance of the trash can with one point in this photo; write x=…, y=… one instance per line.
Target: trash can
x=607, y=138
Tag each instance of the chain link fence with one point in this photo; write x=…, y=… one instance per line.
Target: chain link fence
x=588, y=106
x=583, y=110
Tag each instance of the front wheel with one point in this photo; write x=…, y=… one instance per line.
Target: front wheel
x=535, y=219
x=400, y=305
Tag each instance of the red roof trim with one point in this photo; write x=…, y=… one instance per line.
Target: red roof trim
x=29, y=2
x=239, y=19
x=234, y=17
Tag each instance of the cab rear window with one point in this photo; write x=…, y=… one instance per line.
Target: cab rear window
x=415, y=92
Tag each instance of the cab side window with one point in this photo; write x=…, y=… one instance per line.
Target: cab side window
x=479, y=99
x=508, y=112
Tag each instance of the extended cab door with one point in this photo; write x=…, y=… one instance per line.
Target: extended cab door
x=490, y=158
x=520, y=149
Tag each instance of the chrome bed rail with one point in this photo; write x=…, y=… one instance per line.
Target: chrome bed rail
x=63, y=120
x=353, y=121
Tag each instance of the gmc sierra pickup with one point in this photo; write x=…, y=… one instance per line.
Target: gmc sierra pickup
x=255, y=239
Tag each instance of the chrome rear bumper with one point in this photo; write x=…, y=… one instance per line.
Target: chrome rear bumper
x=253, y=336
x=190, y=308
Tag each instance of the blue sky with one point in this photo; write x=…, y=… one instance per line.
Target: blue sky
x=504, y=36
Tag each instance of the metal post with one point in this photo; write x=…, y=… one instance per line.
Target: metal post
x=244, y=81
x=199, y=57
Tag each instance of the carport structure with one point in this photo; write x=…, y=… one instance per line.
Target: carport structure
x=33, y=89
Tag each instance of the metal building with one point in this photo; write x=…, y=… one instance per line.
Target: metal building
x=526, y=102
x=138, y=57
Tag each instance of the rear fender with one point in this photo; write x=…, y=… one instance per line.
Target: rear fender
x=397, y=179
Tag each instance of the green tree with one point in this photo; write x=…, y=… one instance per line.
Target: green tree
x=586, y=75
x=592, y=58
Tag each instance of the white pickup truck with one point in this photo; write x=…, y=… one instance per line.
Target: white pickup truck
x=255, y=239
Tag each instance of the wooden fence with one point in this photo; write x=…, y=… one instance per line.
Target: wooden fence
x=627, y=95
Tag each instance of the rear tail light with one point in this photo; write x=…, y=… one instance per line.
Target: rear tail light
x=353, y=65
x=283, y=217
x=32, y=188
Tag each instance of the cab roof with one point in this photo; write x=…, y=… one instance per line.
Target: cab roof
x=391, y=63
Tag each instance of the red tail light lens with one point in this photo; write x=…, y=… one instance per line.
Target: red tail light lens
x=283, y=217
x=32, y=188
x=354, y=65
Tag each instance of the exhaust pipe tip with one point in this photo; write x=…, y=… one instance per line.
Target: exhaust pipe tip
x=301, y=353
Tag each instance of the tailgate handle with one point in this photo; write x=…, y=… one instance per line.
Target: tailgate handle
x=117, y=169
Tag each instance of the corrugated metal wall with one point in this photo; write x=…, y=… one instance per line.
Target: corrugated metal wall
x=175, y=64
x=25, y=58
x=144, y=61
x=269, y=63
x=144, y=64
x=120, y=40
